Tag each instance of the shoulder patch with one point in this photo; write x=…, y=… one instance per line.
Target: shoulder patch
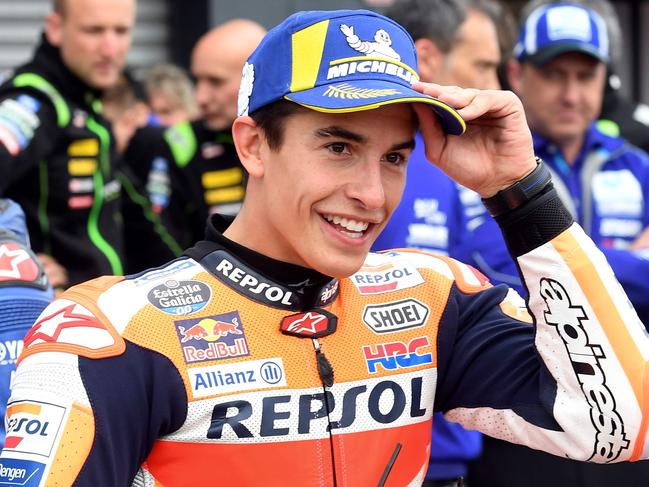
x=18, y=264
x=467, y=278
x=74, y=324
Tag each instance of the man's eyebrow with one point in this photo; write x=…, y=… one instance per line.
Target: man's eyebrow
x=341, y=133
x=404, y=145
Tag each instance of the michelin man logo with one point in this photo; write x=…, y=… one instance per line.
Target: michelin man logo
x=245, y=89
x=380, y=46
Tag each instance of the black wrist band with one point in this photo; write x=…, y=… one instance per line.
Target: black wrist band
x=520, y=192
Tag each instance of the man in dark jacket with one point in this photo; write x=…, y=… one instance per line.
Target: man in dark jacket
x=56, y=150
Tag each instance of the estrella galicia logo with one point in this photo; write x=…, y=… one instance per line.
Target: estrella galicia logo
x=180, y=297
x=15, y=472
x=212, y=337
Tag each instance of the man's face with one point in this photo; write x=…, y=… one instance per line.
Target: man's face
x=94, y=37
x=473, y=60
x=217, y=74
x=328, y=191
x=563, y=97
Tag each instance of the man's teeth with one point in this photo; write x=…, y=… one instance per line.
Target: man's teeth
x=348, y=224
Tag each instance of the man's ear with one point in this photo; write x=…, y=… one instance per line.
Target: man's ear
x=249, y=141
x=430, y=59
x=514, y=75
x=53, y=28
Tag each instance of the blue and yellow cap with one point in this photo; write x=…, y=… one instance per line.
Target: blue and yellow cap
x=558, y=28
x=337, y=61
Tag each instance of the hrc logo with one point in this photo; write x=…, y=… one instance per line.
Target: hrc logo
x=397, y=355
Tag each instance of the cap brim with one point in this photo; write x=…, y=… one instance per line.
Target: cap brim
x=548, y=53
x=369, y=94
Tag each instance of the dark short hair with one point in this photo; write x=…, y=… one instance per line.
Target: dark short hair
x=437, y=20
x=272, y=118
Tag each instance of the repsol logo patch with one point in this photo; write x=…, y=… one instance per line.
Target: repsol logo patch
x=252, y=284
x=395, y=316
x=386, y=278
x=362, y=405
x=571, y=322
x=180, y=297
x=32, y=427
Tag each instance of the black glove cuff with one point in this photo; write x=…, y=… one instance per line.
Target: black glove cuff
x=520, y=192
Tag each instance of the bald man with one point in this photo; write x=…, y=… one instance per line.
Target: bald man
x=195, y=170
x=217, y=61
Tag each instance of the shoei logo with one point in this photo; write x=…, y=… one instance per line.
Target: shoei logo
x=395, y=316
x=571, y=322
x=379, y=57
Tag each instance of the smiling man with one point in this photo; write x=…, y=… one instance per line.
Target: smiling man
x=279, y=347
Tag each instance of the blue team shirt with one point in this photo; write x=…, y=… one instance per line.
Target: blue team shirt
x=607, y=190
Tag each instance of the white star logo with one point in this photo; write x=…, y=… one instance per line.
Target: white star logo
x=308, y=323
x=10, y=260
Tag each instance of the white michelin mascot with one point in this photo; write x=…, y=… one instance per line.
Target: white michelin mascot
x=381, y=46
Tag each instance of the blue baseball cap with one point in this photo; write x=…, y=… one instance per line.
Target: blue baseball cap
x=559, y=28
x=336, y=62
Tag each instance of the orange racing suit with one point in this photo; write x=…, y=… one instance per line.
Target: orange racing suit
x=225, y=367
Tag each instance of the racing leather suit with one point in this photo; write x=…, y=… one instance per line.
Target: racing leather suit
x=225, y=365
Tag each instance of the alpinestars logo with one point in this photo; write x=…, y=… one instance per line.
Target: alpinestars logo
x=571, y=322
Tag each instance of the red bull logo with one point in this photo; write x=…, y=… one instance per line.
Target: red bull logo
x=212, y=337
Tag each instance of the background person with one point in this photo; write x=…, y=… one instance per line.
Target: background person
x=170, y=94
x=56, y=153
x=194, y=170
